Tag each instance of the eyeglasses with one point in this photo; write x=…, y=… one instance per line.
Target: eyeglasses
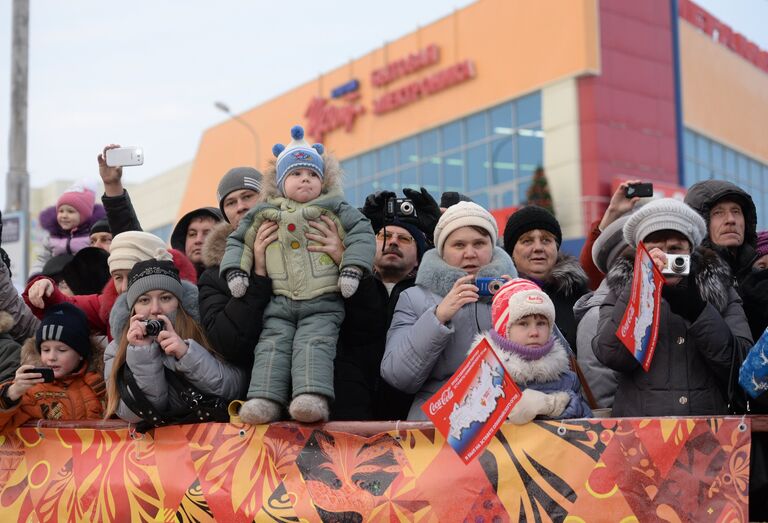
x=389, y=236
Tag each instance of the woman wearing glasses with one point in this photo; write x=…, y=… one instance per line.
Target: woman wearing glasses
x=435, y=321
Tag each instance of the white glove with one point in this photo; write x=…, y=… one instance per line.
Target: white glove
x=237, y=281
x=349, y=279
x=535, y=403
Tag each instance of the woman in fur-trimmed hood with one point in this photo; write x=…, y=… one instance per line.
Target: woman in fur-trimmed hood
x=436, y=321
x=293, y=361
x=532, y=237
x=701, y=321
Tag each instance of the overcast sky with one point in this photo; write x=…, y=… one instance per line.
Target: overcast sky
x=148, y=72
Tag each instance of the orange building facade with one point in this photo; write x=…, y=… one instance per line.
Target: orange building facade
x=593, y=91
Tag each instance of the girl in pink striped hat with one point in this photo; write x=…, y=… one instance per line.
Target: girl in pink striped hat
x=523, y=338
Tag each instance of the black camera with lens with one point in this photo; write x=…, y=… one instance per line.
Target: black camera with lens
x=153, y=327
x=399, y=208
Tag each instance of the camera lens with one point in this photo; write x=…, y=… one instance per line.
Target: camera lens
x=153, y=327
x=406, y=208
x=678, y=264
x=494, y=286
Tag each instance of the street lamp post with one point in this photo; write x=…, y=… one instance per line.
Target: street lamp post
x=221, y=106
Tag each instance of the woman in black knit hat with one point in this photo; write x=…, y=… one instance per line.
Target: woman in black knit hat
x=532, y=238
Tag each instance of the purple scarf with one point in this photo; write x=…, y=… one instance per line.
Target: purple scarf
x=526, y=352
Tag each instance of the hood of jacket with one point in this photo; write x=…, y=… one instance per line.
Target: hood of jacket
x=712, y=275
x=49, y=223
x=216, y=243
x=118, y=318
x=591, y=299
x=179, y=234
x=702, y=196
x=437, y=276
x=332, y=178
x=547, y=368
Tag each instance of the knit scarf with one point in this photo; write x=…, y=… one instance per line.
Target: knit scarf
x=526, y=352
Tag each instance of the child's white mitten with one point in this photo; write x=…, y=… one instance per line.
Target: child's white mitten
x=349, y=279
x=557, y=404
x=237, y=281
x=531, y=404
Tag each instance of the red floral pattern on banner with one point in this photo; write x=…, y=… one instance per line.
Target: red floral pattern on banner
x=648, y=469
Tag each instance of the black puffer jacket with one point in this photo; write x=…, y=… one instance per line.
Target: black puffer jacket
x=690, y=368
x=233, y=325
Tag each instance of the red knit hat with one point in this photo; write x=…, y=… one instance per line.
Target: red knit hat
x=516, y=299
x=79, y=197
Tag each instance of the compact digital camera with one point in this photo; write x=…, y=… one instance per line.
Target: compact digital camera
x=677, y=265
x=489, y=286
x=153, y=327
x=399, y=208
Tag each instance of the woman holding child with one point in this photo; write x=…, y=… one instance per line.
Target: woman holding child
x=436, y=321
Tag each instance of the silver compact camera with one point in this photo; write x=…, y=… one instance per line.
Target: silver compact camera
x=677, y=265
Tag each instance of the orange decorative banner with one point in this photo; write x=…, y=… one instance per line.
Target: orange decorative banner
x=670, y=469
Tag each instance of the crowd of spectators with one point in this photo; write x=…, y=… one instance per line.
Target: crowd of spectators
x=238, y=305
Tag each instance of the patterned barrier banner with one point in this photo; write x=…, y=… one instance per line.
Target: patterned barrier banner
x=667, y=469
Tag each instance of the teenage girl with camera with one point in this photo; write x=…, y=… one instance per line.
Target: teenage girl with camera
x=159, y=368
x=55, y=380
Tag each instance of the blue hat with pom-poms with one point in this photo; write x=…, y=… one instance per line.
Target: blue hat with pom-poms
x=296, y=155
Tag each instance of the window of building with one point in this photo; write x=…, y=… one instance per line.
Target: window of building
x=707, y=159
x=489, y=156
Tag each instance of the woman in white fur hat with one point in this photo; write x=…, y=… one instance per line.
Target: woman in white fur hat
x=436, y=321
x=701, y=321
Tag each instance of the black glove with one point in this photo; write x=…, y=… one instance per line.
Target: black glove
x=373, y=209
x=427, y=210
x=684, y=298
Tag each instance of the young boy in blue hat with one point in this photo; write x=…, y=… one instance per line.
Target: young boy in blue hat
x=294, y=356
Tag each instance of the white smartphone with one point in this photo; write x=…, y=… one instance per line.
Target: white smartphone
x=125, y=156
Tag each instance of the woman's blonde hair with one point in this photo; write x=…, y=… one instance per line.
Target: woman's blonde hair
x=184, y=325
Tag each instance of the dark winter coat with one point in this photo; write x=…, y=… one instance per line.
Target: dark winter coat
x=361, y=394
x=120, y=214
x=232, y=325
x=752, y=286
x=566, y=284
x=9, y=349
x=25, y=323
x=689, y=370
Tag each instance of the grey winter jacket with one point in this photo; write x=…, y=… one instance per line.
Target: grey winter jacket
x=602, y=380
x=25, y=323
x=421, y=353
x=690, y=367
x=199, y=367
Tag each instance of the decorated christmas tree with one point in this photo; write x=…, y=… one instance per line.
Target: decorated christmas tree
x=538, y=192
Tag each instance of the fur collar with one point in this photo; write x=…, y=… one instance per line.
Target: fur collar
x=567, y=278
x=547, y=368
x=216, y=243
x=49, y=223
x=713, y=276
x=118, y=318
x=332, y=178
x=437, y=276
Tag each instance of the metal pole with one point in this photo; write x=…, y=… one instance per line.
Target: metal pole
x=17, y=183
x=257, y=144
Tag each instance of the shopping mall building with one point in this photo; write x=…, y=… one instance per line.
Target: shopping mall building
x=593, y=91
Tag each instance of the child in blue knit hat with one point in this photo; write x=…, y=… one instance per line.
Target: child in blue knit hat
x=293, y=361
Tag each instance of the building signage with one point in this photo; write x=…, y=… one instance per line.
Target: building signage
x=405, y=66
x=430, y=85
x=324, y=117
x=734, y=41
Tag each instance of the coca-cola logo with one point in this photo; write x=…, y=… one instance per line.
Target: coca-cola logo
x=441, y=402
x=536, y=300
